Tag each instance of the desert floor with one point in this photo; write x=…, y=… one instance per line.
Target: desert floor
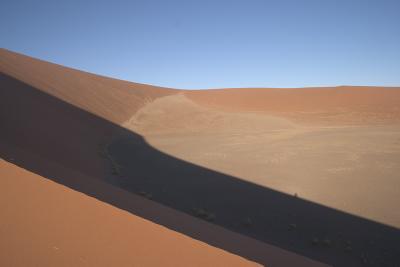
x=348, y=163
x=352, y=168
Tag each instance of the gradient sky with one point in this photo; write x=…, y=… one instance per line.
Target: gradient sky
x=213, y=44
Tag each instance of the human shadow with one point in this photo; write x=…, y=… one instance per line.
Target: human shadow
x=72, y=139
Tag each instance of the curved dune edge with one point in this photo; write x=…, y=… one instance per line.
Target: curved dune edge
x=111, y=99
x=118, y=102
x=46, y=224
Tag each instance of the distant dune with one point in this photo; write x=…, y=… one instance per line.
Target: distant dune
x=328, y=105
x=279, y=177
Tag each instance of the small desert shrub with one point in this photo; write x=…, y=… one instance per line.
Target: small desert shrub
x=327, y=242
x=204, y=214
x=247, y=222
x=103, y=152
x=292, y=226
x=315, y=241
x=115, y=167
x=146, y=194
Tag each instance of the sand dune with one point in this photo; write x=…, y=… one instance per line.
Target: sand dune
x=277, y=166
x=46, y=224
x=56, y=123
x=327, y=105
x=112, y=99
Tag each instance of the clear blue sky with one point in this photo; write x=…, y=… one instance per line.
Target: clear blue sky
x=213, y=44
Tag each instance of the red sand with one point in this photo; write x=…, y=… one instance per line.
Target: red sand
x=45, y=223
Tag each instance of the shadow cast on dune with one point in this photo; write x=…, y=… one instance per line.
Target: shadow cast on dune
x=73, y=141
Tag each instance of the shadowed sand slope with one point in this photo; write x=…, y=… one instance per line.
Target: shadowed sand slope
x=46, y=224
x=312, y=170
x=343, y=153
x=62, y=124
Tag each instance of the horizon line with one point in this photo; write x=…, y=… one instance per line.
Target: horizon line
x=198, y=89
